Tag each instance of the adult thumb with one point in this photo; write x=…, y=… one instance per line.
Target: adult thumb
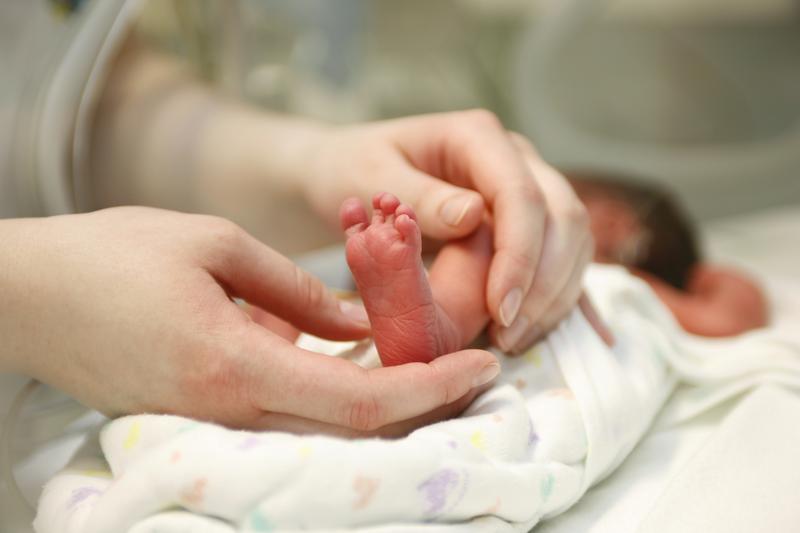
x=444, y=211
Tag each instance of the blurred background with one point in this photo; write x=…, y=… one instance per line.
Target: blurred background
x=703, y=95
x=700, y=95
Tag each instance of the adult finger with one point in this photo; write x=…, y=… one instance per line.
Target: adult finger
x=267, y=279
x=555, y=291
x=477, y=153
x=564, y=302
x=300, y=425
x=444, y=211
x=286, y=379
x=568, y=247
x=589, y=312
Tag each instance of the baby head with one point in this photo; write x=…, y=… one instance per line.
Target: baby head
x=639, y=225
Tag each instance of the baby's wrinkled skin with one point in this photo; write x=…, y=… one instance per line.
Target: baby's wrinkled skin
x=411, y=322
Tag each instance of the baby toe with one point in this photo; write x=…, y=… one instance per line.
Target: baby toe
x=405, y=209
x=389, y=204
x=408, y=229
x=352, y=216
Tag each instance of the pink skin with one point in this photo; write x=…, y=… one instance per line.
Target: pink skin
x=411, y=320
x=612, y=223
x=717, y=301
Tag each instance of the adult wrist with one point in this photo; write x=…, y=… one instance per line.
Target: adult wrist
x=18, y=264
x=288, y=148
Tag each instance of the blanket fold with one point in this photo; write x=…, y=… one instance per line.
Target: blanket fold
x=561, y=417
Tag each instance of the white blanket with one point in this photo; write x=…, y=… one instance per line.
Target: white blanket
x=561, y=418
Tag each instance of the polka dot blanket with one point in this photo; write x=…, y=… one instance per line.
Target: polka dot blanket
x=559, y=419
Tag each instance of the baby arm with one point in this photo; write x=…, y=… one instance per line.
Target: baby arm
x=718, y=302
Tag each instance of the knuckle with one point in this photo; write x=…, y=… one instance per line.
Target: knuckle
x=523, y=259
x=212, y=372
x=577, y=215
x=448, y=392
x=529, y=193
x=222, y=231
x=520, y=142
x=308, y=290
x=483, y=118
x=520, y=257
x=363, y=413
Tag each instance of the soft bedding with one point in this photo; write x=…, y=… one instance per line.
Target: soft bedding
x=757, y=243
x=561, y=418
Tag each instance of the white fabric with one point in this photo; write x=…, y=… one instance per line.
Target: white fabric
x=561, y=418
x=669, y=455
x=755, y=243
x=744, y=478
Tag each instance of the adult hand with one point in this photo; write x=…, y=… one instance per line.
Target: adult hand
x=130, y=310
x=454, y=169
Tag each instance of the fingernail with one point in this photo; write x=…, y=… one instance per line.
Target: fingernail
x=486, y=375
x=510, y=336
x=510, y=306
x=354, y=312
x=454, y=210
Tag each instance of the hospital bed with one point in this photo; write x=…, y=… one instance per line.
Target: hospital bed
x=732, y=468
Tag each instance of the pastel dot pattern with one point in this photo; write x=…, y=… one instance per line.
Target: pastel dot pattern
x=194, y=453
x=365, y=488
x=81, y=494
x=134, y=434
x=434, y=490
x=257, y=521
x=517, y=453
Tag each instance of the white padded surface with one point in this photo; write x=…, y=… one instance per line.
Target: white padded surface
x=764, y=244
x=745, y=478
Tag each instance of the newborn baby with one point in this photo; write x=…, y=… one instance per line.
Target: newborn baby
x=642, y=227
x=411, y=322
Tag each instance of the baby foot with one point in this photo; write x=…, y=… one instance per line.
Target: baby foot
x=385, y=257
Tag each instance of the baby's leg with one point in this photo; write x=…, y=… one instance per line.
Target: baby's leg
x=458, y=279
x=408, y=324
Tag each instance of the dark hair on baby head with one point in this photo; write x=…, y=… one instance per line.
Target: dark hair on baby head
x=671, y=250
